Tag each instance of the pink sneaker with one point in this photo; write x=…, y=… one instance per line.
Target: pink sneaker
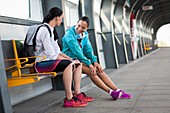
x=115, y=94
x=84, y=97
x=74, y=102
x=125, y=95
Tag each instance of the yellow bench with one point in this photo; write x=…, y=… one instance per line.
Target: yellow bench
x=19, y=78
x=147, y=47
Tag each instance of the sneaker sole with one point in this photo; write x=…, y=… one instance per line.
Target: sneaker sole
x=125, y=97
x=78, y=106
x=88, y=100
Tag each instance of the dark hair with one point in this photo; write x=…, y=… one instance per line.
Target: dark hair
x=54, y=12
x=86, y=19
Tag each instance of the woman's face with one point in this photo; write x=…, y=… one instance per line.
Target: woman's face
x=81, y=27
x=59, y=19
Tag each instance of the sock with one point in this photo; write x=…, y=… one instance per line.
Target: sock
x=117, y=90
x=110, y=91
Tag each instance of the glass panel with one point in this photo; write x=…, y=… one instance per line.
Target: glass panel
x=36, y=12
x=11, y=8
x=83, y=8
x=105, y=20
x=74, y=1
x=71, y=13
x=101, y=58
x=30, y=9
x=97, y=4
x=97, y=22
x=117, y=25
x=100, y=48
x=126, y=28
x=100, y=42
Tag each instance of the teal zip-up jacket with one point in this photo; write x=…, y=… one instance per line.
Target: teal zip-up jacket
x=71, y=47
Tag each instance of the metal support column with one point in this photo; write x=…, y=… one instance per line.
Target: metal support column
x=5, y=104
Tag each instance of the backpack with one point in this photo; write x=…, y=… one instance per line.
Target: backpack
x=30, y=41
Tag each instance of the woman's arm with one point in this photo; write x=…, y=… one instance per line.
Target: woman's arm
x=65, y=56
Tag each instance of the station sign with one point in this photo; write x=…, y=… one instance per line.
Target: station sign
x=147, y=8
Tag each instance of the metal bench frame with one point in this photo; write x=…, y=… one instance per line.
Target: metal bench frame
x=18, y=78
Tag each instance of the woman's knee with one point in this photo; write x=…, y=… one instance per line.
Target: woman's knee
x=69, y=65
x=79, y=66
x=86, y=71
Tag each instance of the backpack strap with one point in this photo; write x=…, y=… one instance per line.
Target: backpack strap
x=34, y=38
x=49, y=30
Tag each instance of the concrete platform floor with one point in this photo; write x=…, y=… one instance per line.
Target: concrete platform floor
x=147, y=78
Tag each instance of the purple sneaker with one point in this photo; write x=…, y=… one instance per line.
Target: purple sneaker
x=116, y=94
x=125, y=95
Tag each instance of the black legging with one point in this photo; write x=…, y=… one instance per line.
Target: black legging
x=62, y=65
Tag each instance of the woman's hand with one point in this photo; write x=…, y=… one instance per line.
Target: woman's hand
x=76, y=61
x=66, y=57
x=98, y=67
x=60, y=57
x=92, y=70
x=69, y=58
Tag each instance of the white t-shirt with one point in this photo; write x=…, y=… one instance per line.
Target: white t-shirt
x=45, y=45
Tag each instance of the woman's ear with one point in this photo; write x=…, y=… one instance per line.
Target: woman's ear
x=56, y=18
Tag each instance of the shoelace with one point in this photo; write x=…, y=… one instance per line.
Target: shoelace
x=76, y=99
x=122, y=91
x=84, y=94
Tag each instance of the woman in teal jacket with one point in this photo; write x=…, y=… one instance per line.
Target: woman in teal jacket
x=76, y=44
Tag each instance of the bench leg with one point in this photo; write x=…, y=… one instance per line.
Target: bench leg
x=57, y=83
